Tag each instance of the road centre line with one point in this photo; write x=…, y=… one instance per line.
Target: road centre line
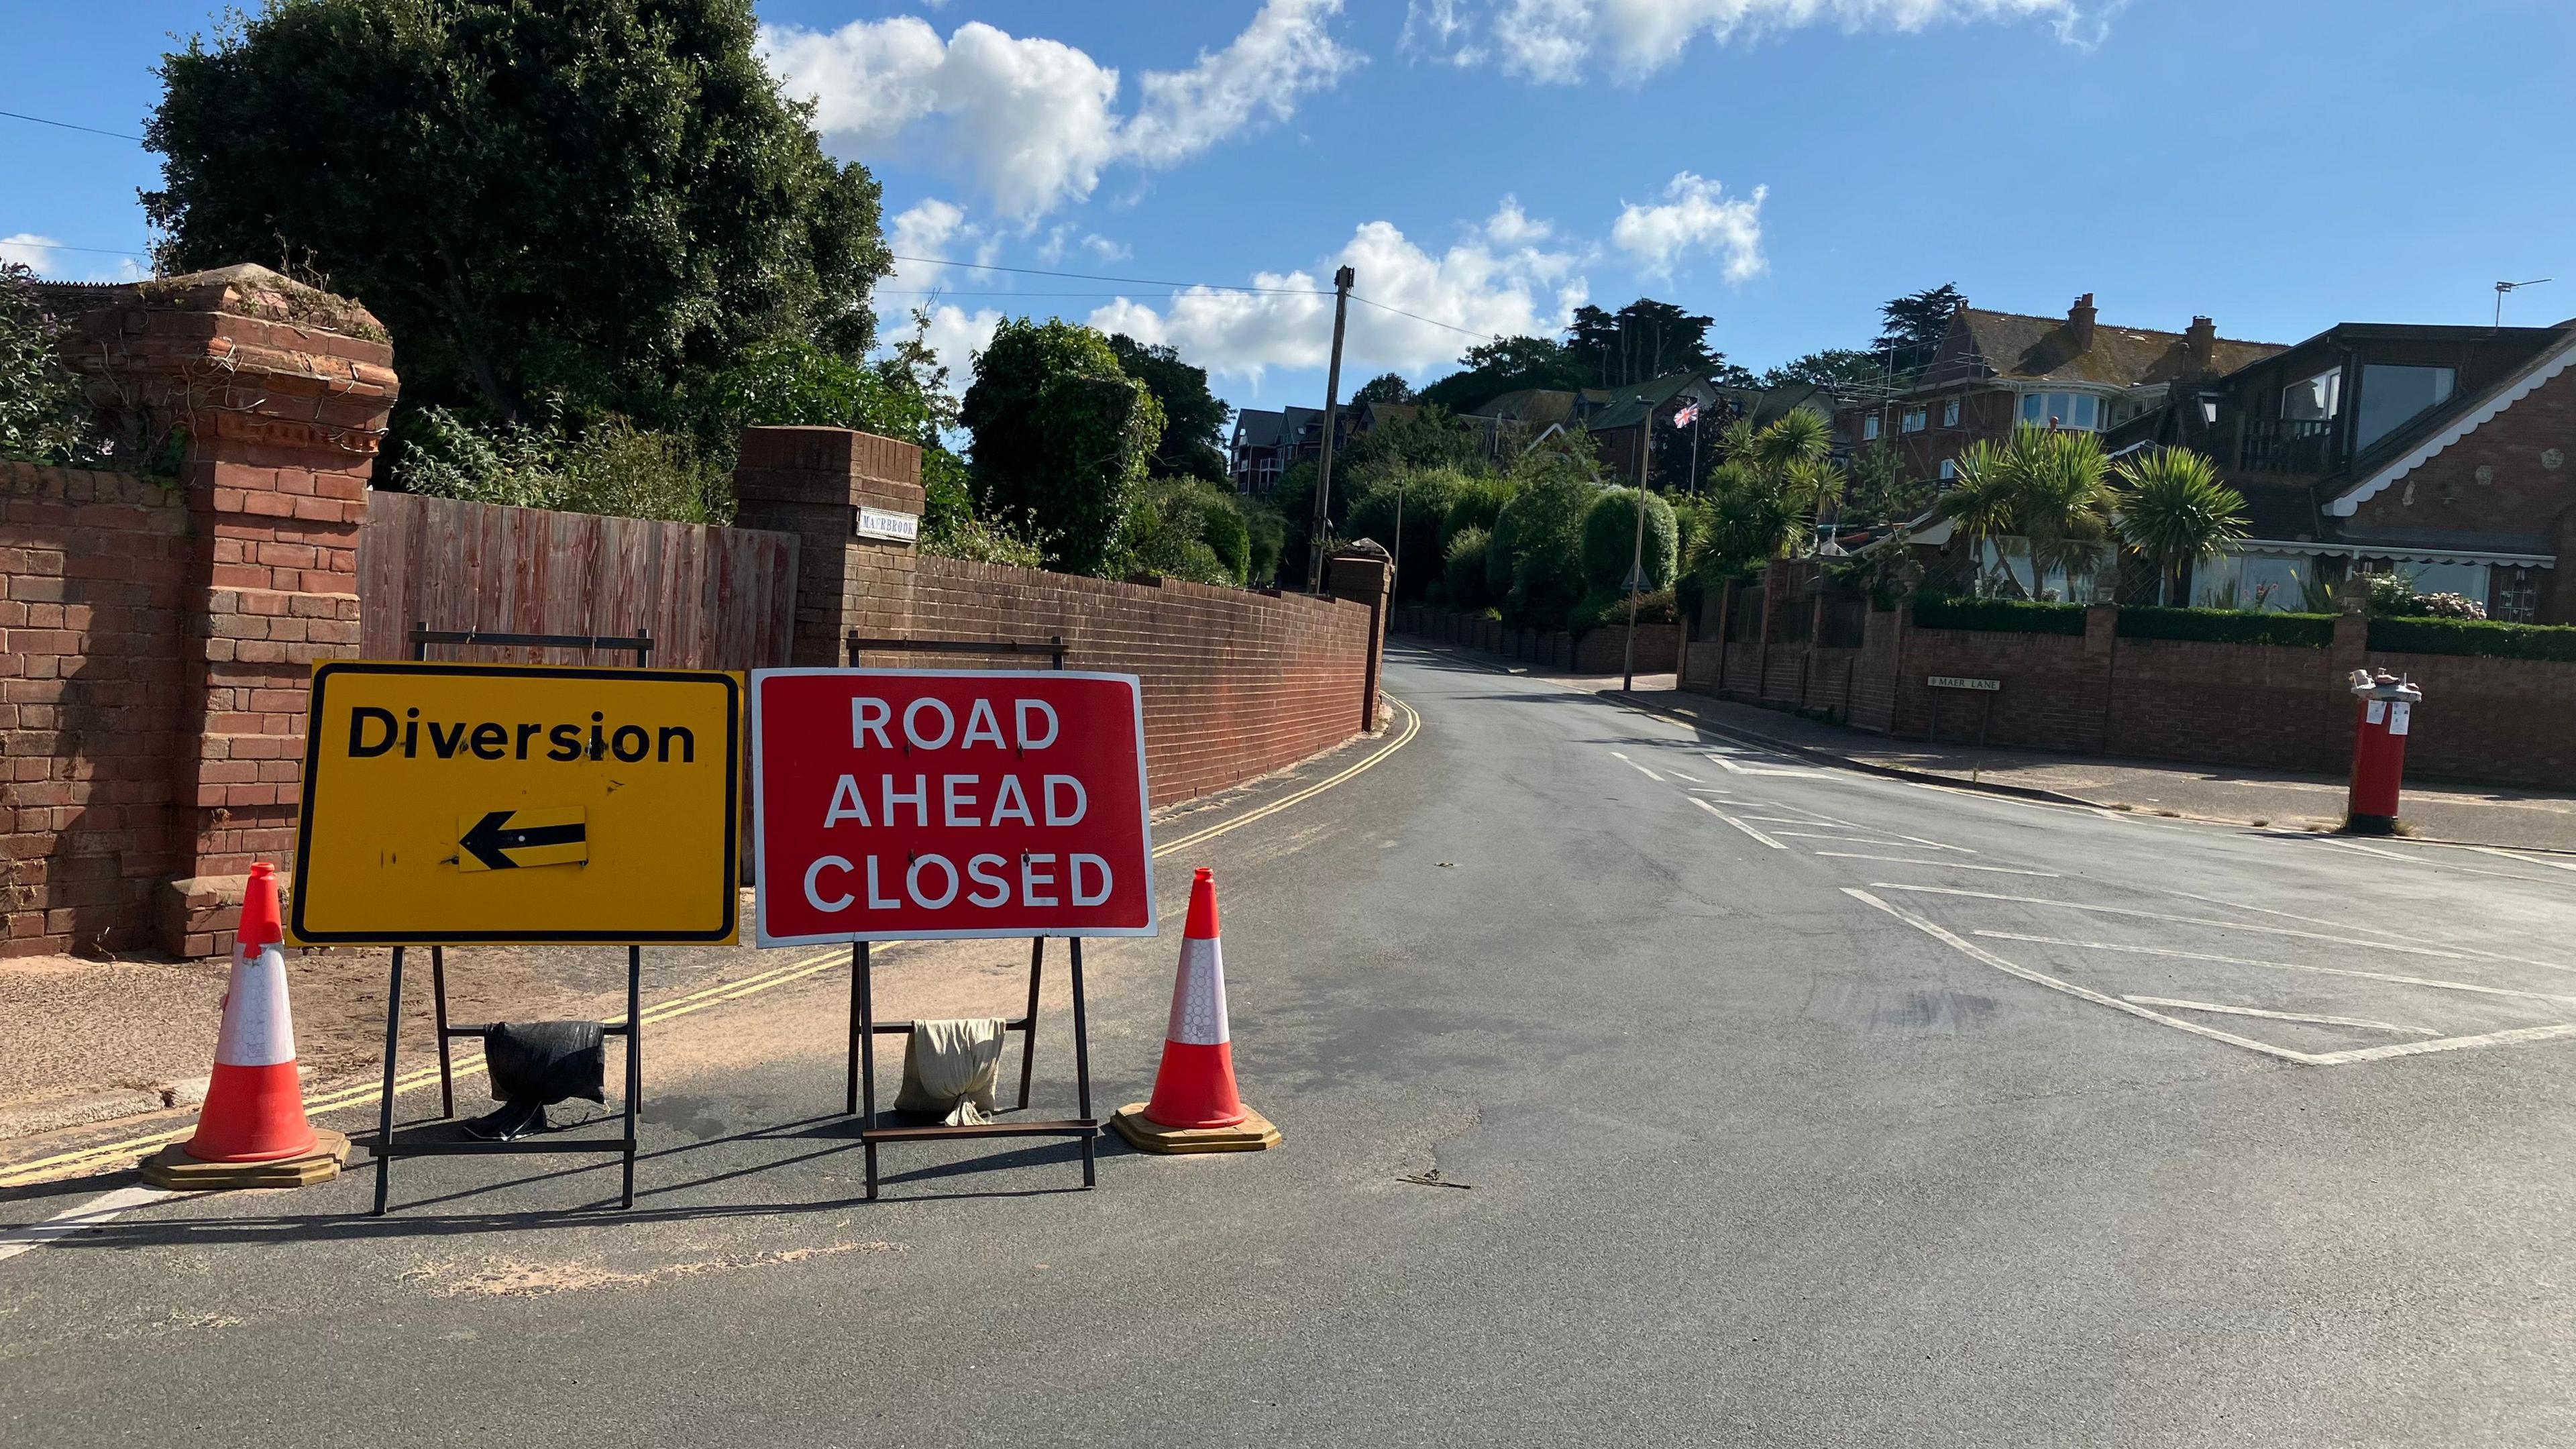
x=1975, y=952
x=1937, y=864
x=70, y=1163
x=1738, y=824
x=2213, y=957
x=2177, y=920
x=2359, y=1021
x=1678, y=775
x=1900, y=842
x=1640, y=769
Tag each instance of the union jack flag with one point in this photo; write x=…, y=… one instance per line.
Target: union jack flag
x=1687, y=416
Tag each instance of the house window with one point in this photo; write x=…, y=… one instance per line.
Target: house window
x=2314, y=399
x=1949, y=469
x=1950, y=413
x=2390, y=396
x=1869, y=428
x=2514, y=595
x=2080, y=410
x=1913, y=420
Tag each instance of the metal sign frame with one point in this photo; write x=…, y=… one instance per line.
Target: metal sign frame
x=865, y=1028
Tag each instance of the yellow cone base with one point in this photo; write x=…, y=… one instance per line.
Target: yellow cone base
x=174, y=1169
x=1254, y=1133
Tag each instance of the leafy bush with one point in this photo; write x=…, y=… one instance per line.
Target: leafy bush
x=981, y=542
x=2225, y=626
x=1422, y=498
x=2473, y=636
x=2393, y=595
x=1184, y=528
x=1610, y=540
x=1999, y=616
x=1478, y=503
x=43, y=418
x=613, y=468
x=1534, y=562
x=1608, y=609
x=1463, y=570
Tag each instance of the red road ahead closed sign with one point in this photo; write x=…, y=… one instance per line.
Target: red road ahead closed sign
x=911, y=804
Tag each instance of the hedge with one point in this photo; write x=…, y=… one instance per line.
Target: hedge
x=2406, y=635
x=1999, y=616
x=2228, y=626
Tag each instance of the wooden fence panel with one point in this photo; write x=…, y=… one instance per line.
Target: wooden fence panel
x=712, y=598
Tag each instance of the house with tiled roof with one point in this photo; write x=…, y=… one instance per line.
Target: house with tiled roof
x=1994, y=371
x=2445, y=454
x=1257, y=451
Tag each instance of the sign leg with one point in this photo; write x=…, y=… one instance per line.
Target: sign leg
x=634, y=1061
x=1029, y=1038
x=438, y=996
x=867, y=1059
x=385, y=1103
x=1082, y=1059
x=858, y=1024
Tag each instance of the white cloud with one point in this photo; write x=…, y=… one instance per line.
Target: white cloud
x=1030, y=119
x=924, y=230
x=1695, y=215
x=1471, y=286
x=957, y=335
x=48, y=258
x=1555, y=40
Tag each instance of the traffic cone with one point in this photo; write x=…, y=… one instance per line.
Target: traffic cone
x=1195, y=1106
x=251, y=1131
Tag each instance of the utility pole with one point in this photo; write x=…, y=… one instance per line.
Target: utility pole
x=1637, y=555
x=1332, y=421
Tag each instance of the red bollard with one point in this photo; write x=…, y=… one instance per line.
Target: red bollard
x=2384, y=709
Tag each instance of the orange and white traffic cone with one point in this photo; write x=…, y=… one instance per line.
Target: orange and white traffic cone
x=1195, y=1106
x=251, y=1131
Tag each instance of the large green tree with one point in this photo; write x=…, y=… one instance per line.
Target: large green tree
x=594, y=199
x=1506, y=364
x=1063, y=437
x=1640, y=342
x=1193, y=419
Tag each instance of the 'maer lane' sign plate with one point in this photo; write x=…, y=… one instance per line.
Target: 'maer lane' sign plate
x=492, y=803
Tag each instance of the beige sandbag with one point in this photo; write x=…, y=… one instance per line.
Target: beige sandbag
x=949, y=1067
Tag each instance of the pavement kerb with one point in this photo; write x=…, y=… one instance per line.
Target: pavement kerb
x=1991, y=787
x=1894, y=772
x=356, y=1091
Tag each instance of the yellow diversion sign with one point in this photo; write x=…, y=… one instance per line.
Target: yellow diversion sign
x=492, y=803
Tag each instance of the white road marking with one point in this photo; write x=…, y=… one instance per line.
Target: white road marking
x=1732, y=768
x=1899, y=843
x=2432, y=864
x=1938, y=864
x=2211, y=956
x=2469, y=951
x=2525, y=859
x=1976, y=952
x=2515, y=1037
x=90, y=1214
x=1678, y=775
x=2359, y=1021
x=1640, y=769
x=2177, y=920
x=1738, y=824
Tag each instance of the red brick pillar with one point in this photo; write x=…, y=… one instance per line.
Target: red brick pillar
x=1362, y=574
x=813, y=483
x=274, y=395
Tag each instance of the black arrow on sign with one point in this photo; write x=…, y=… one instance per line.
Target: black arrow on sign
x=492, y=838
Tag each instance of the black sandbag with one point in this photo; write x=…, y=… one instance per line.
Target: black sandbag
x=537, y=1062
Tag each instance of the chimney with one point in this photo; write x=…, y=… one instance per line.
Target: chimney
x=2200, y=344
x=2079, y=319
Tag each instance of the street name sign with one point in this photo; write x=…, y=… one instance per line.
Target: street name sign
x=1953, y=681
x=921, y=804
x=452, y=803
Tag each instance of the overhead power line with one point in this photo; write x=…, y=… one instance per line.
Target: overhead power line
x=59, y=247
x=68, y=126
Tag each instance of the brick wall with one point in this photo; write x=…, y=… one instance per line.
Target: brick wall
x=93, y=571
x=202, y=606
x=2499, y=721
x=1236, y=684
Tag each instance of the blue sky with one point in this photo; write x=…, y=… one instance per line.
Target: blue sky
x=1784, y=165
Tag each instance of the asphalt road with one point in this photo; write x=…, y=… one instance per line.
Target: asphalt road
x=1638, y=1087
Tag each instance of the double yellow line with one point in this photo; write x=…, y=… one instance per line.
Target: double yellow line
x=112, y=1154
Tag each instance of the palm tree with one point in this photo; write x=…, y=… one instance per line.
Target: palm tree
x=2174, y=510
x=2046, y=488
